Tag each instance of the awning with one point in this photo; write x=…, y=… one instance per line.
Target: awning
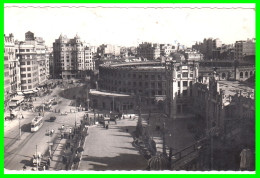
x=28, y=92
x=19, y=93
x=17, y=98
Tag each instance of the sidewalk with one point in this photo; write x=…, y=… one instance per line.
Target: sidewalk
x=57, y=162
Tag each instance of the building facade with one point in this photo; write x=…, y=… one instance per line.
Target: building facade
x=71, y=58
x=108, y=50
x=180, y=77
x=149, y=51
x=166, y=49
x=7, y=82
x=14, y=66
x=244, y=48
x=34, y=61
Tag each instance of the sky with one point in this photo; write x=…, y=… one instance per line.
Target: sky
x=126, y=25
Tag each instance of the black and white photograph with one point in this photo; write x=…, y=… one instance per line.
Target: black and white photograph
x=114, y=88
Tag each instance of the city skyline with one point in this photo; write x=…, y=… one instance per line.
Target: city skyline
x=133, y=25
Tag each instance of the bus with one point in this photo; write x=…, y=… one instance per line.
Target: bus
x=36, y=124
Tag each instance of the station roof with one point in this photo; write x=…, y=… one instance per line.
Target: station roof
x=110, y=94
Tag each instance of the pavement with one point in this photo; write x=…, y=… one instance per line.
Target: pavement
x=111, y=149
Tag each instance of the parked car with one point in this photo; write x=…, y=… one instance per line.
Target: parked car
x=63, y=113
x=52, y=118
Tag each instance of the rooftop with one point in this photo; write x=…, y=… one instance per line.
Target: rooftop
x=232, y=87
x=104, y=93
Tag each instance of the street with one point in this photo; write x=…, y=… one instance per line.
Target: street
x=111, y=149
x=18, y=152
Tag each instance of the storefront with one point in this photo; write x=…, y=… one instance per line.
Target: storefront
x=105, y=101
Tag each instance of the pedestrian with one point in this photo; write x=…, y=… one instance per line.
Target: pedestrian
x=39, y=114
x=71, y=149
x=22, y=117
x=43, y=168
x=24, y=167
x=130, y=117
x=61, y=136
x=5, y=118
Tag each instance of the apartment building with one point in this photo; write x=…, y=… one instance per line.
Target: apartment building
x=71, y=58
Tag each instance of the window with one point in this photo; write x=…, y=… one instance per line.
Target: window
x=140, y=84
x=185, y=83
x=159, y=85
x=27, y=50
x=185, y=74
x=153, y=77
x=146, y=76
x=191, y=75
x=22, y=63
x=28, y=63
x=23, y=81
x=146, y=84
x=28, y=68
x=246, y=74
x=241, y=75
x=179, y=76
x=134, y=75
x=190, y=83
x=159, y=77
x=179, y=84
x=30, y=87
x=140, y=76
x=185, y=92
x=23, y=69
x=152, y=85
x=23, y=75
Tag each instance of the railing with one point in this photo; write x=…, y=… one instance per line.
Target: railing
x=184, y=153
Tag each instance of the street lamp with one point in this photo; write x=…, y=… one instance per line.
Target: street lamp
x=20, y=131
x=36, y=159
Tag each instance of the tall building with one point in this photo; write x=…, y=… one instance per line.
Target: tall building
x=244, y=48
x=71, y=58
x=149, y=51
x=216, y=43
x=33, y=62
x=207, y=47
x=108, y=50
x=14, y=66
x=180, y=77
x=7, y=86
x=167, y=49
